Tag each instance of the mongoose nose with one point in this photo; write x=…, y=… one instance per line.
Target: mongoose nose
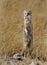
x=28, y=14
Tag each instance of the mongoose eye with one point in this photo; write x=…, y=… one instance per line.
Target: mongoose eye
x=25, y=13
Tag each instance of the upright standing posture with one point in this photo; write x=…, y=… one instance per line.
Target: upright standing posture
x=27, y=33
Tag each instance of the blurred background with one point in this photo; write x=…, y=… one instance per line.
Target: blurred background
x=11, y=26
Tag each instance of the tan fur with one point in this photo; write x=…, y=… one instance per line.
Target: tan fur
x=27, y=36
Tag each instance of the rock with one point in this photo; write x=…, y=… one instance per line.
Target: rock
x=17, y=57
x=32, y=63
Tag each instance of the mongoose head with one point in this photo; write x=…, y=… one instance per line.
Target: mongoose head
x=27, y=17
x=27, y=13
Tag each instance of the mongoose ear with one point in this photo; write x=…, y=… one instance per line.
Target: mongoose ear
x=24, y=11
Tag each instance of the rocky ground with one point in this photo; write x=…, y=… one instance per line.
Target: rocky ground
x=26, y=61
x=20, y=60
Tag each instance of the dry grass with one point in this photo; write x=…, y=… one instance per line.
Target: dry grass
x=11, y=26
x=26, y=61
